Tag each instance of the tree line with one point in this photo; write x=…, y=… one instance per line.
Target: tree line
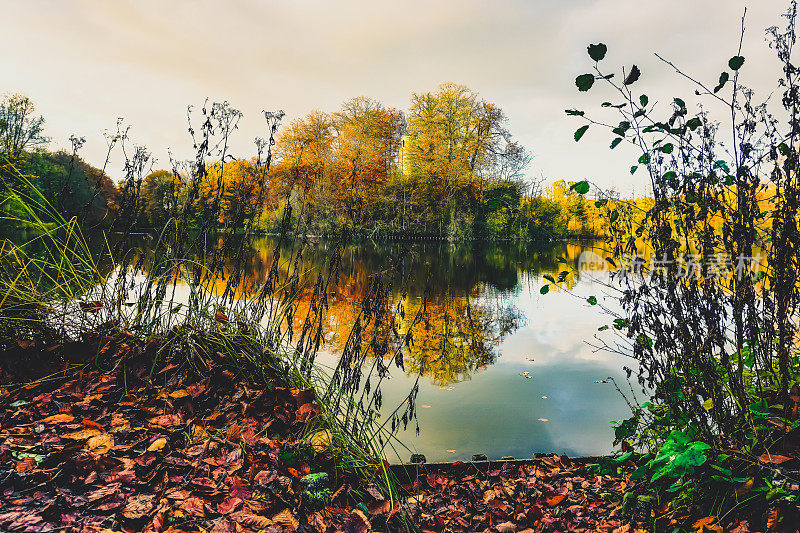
x=448, y=168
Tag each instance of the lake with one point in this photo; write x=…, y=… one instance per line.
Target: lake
x=504, y=369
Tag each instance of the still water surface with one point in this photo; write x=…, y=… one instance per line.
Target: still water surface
x=504, y=369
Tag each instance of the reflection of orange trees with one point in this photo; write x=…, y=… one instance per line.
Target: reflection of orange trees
x=455, y=336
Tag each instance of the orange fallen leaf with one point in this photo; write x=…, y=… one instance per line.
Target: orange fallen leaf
x=773, y=459
x=60, y=418
x=157, y=445
x=92, y=423
x=220, y=317
x=100, y=444
x=183, y=393
x=555, y=500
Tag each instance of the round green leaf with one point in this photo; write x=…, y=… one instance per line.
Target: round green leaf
x=597, y=51
x=736, y=62
x=592, y=300
x=545, y=289
x=584, y=82
x=580, y=187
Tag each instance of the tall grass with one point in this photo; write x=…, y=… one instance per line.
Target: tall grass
x=191, y=293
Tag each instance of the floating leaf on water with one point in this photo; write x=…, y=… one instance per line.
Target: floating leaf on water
x=544, y=420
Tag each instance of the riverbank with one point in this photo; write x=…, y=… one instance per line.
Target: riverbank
x=105, y=435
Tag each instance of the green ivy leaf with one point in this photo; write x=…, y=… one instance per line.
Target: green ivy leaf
x=632, y=76
x=580, y=131
x=615, y=142
x=592, y=300
x=736, y=62
x=580, y=187
x=667, y=148
x=584, y=82
x=723, y=79
x=643, y=100
x=644, y=159
x=597, y=51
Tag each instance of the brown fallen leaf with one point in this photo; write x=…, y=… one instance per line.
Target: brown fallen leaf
x=219, y=316
x=286, y=519
x=138, y=506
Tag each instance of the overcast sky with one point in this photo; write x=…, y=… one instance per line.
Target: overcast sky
x=85, y=63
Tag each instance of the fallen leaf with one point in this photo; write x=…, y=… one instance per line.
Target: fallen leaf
x=219, y=316
x=61, y=418
x=157, y=445
x=544, y=420
x=138, y=505
x=83, y=434
x=773, y=459
x=100, y=444
x=555, y=500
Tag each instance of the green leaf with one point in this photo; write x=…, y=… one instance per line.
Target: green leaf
x=783, y=148
x=545, y=289
x=549, y=278
x=584, y=82
x=723, y=79
x=580, y=131
x=574, y=112
x=736, y=62
x=670, y=175
x=632, y=76
x=667, y=148
x=614, y=215
x=592, y=300
x=633, y=169
x=600, y=203
x=644, y=158
x=602, y=328
x=597, y=51
x=580, y=187
x=615, y=142
x=693, y=123
x=622, y=128
x=722, y=165
x=643, y=100
x=563, y=275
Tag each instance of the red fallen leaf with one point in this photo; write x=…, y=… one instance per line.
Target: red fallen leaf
x=193, y=507
x=196, y=389
x=773, y=459
x=294, y=473
x=307, y=411
x=219, y=316
x=228, y=505
x=534, y=513
x=555, y=500
x=167, y=421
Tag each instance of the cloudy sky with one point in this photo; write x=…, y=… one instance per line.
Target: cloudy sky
x=85, y=63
